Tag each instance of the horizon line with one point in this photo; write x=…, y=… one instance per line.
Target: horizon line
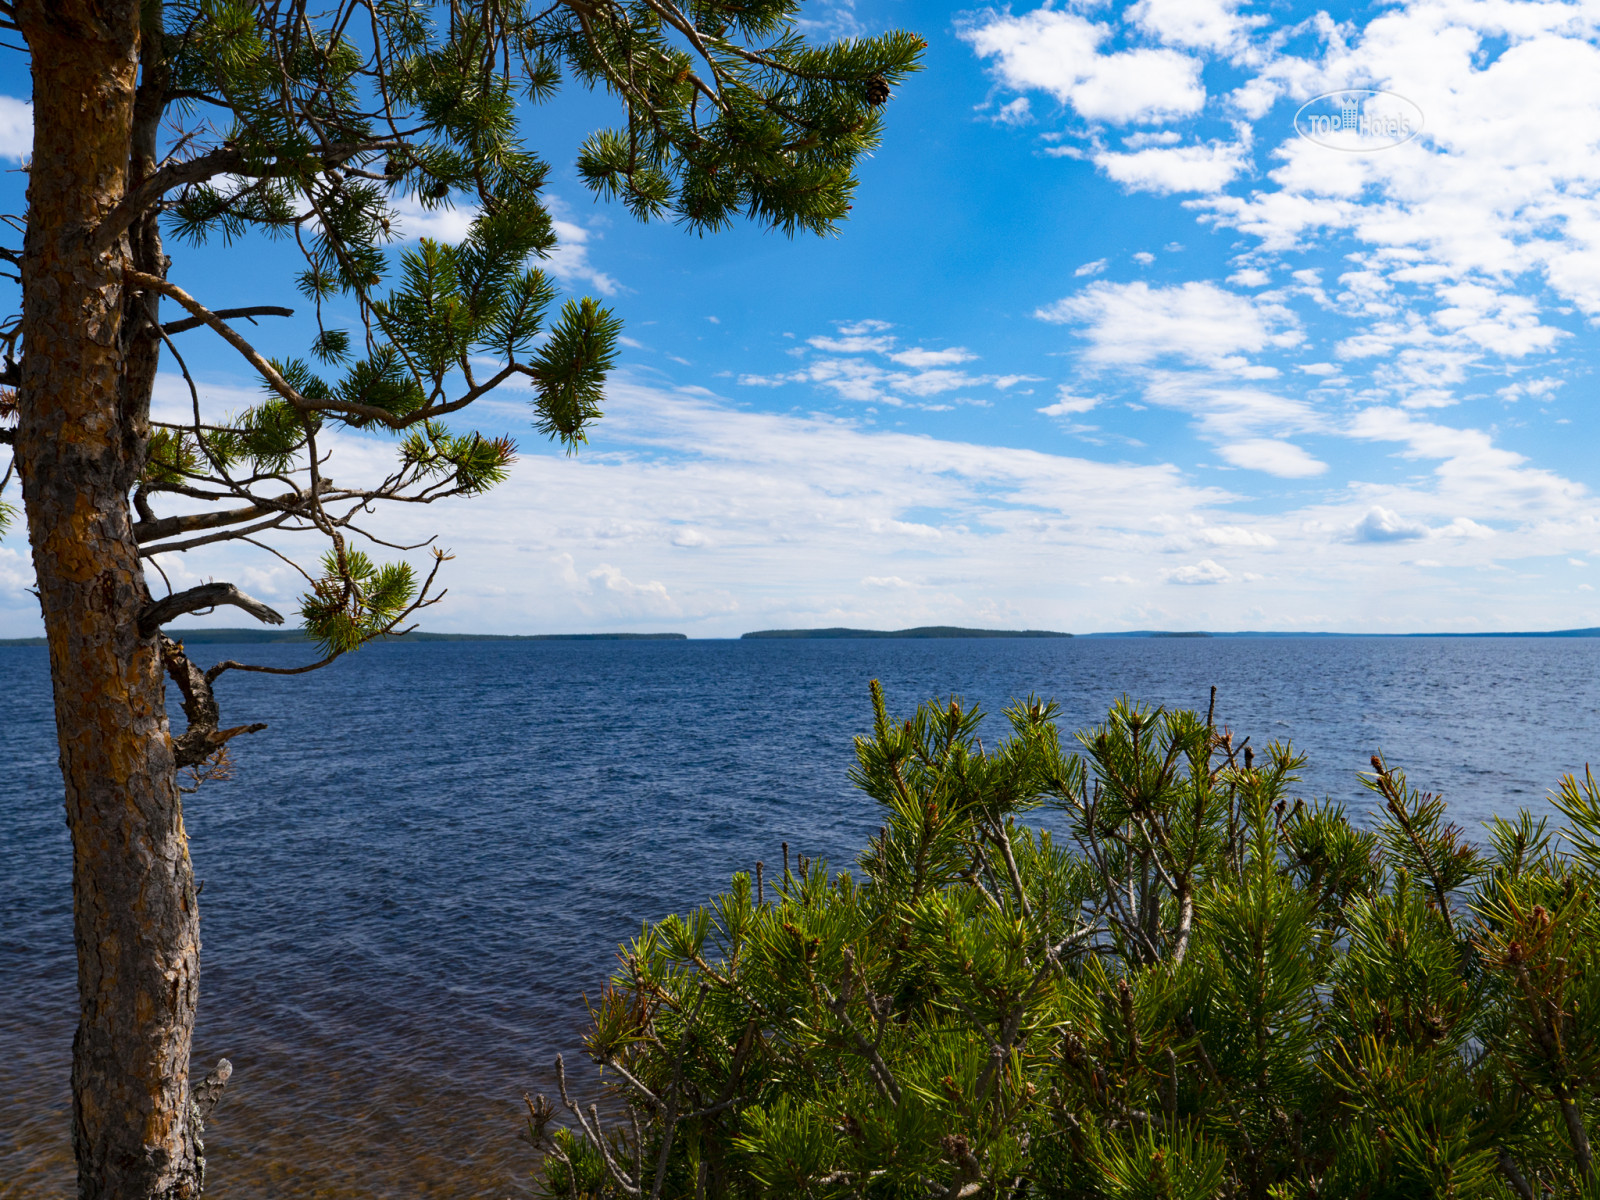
x=245, y=635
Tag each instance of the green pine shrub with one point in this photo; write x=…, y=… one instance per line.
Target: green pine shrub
x=1203, y=986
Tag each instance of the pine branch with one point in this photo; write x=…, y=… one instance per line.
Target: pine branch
x=226, y=160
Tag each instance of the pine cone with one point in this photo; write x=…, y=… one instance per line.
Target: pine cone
x=877, y=91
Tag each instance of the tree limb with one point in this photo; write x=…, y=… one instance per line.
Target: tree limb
x=228, y=314
x=206, y=317
x=202, y=739
x=207, y=1094
x=154, y=528
x=207, y=595
x=275, y=380
x=223, y=161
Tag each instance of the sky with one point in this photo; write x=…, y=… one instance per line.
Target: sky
x=1110, y=341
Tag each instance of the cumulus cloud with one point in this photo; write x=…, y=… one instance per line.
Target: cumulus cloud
x=1059, y=53
x=16, y=128
x=687, y=511
x=1200, y=167
x=1205, y=571
x=1014, y=112
x=1468, y=243
x=1275, y=457
x=1200, y=323
x=448, y=221
x=1194, y=24
x=1069, y=404
x=1382, y=525
x=920, y=359
x=16, y=574
x=1234, y=535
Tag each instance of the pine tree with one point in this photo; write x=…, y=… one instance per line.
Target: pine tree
x=1198, y=986
x=159, y=124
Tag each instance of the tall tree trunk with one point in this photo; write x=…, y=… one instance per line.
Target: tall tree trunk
x=80, y=445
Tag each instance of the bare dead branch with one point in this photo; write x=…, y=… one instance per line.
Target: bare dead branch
x=207, y=595
x=202, y=738
x=208, y=1093
x=153, y=528
x=265, y=369
x=235, y=534
x=229, y=314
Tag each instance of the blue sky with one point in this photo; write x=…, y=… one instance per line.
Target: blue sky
x=1105, y=345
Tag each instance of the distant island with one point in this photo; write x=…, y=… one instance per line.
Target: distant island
x=921, y=631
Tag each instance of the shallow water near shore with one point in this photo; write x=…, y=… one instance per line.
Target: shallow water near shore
x=435, y=848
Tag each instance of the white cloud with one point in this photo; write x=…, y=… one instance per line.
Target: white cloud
x=1535, y=389
x=449, y=223
x=853, y=344
x=1015, y=112
x=1233, y=535
x=16, y=128
x=1462, y=247
x=569, y=261
x=1144, y=258
x=1194, y=24
x=920, y=359
x=1205, y=571
x=1202, y=167
x=1280, y=458
x=689, y=512
x=652, y=596
x=1464, y=527
x=1058, y=52
x=16, y=574
x=847, y=365
x=1198, y=323
x=1069, y=404
x=1381, y=525
x=1091, y=268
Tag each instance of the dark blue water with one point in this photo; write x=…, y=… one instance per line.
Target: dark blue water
x=435, y=849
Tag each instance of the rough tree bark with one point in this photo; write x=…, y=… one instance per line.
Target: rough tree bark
x=89, y=360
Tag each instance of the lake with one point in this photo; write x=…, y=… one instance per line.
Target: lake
x=433, y=851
